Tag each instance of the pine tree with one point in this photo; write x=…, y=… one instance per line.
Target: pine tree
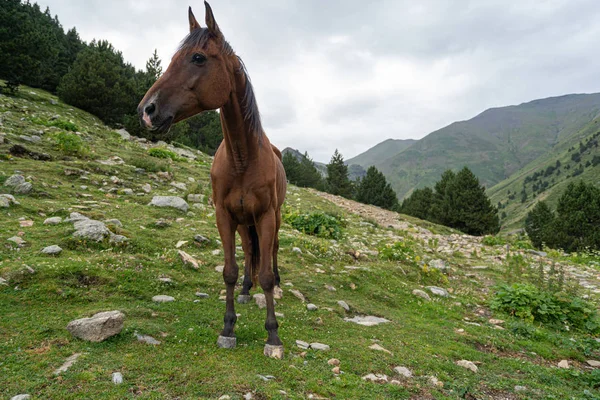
x=308, y=175
x=419, y=204
x=291, y=166
x=337, y=181
x=439, y=207
x=374, y=189
x=153, y=67
x=538, y=223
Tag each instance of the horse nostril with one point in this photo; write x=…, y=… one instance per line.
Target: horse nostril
x=150, y=108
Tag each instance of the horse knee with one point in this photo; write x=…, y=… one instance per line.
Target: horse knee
x=230, y=274
x=267, y=280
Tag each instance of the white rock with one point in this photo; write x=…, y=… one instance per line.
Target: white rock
x=161, y=298
x=17, y=240
x=195, y=198
x=311, y=307
x=319, y=346
x=23, y=188
x=219, y=268
x=21, y=397
x=404, y=372
x=146, y=187
x=53, y=221
x=117, y=378
x=367, y=320
x=344, y=305
x=302, y=344
x=377, y=347
x=52, y=250
x=563, y=364
x=297, y=250
x=421, y=294
x=147, y=339
x=377, y=378
x=467, y=364
x=593, y=363
x=188, y=260
x=260, y=299
x=67, y=364
x=438, y=291
x=298, y=294
x=169, y=201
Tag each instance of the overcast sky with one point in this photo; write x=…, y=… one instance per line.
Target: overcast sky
x=349, y=74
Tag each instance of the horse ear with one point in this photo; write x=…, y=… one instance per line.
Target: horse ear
x=193, y=23
x=210, y=21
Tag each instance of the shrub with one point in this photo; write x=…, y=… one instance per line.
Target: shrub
x=527, y=302
x=161, y=152
x=399, y=251
x=58, y=123
x=70, y=144
x=494, y=241
x=149, y=164
x=317, y=224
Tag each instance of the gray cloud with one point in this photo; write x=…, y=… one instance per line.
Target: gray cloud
x=348, y=74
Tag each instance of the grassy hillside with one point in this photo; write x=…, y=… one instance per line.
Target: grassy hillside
x=545, y=178
x=380, y=152
x=106, y=176
x=495, y=144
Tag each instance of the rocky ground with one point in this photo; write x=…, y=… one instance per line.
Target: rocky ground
x=111, y=287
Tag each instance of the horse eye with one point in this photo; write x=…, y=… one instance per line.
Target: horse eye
x=199, y=58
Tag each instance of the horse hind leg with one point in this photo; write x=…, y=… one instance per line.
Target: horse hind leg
x=244, y=296
x=276, y=247
x=230, y=275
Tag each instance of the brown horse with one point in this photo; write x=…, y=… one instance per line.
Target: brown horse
x=248, y=179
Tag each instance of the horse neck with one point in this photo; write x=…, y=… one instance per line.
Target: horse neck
x=240, y=138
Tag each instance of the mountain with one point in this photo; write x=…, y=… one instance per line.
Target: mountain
x=495, y=144
x=322, y=168
x=380, y=152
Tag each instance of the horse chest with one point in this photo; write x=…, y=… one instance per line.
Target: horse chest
x=245, y=207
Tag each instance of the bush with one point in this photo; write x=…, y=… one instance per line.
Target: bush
x=494, y=241
x=161, y=152
x=58, y=123
x=149, y=164
x=527, y=302
x=316, y=224
x=399, y=251
x=70, y=144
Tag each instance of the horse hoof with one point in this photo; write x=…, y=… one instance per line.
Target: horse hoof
x=226, y=342
x=274, y=351
x=244, y=298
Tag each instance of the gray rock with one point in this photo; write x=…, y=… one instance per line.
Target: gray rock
x=298, y=294
x=147, y=339
x=117, y=378
x=4, y=202
x=17, y=240
x=438, y=291
x=169, y=201
x=53, y=221
x=163, y=299
x=201, y=239
x=311, y=307
x=367, y=320
x=319, y=346
x=99, y=327
x=114, y=222
x=377, y=378
x=202, y=295
x=118, y=239
x=23, y=188
x=439, y=265
x=126, y=192
x=261, y=300
x=302, y=344
x=124, y=134
x=421, y=294
x=52, y=250
x=195, y=198
x=344, y=305
x=537, y=253
x=91, y=229
x=593, y=363
x=146, y=187
x=179, y=185
x=468, y=365
x=14, y=180
x=296, y=250
x=3, y=281
x=75, y=216
x=519, y=388
x=219, y=268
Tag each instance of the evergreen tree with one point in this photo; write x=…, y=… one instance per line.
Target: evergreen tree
x=538, y=224
x=419, y=204
x=308, y=175
x=153, y=67
x=468, y=208
x=291, y=166
x=374, y=189
x=439, y=207
x=337, y=181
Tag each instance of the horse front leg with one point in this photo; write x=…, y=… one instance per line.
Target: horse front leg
x=227, y=227
x=244, y=296
x=266, y=237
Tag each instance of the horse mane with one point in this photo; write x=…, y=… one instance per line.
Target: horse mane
x=199, y=39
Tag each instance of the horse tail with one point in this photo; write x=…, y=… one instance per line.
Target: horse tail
x=255, y=260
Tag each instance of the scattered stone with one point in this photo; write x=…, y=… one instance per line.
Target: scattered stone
x=114, y=222
x=311, y=307
x=480, y=267
x=421, y=294
x=52, y=250
x=367, y=320
x=563, y=364
x=330, y=288
x=125, y=136
x=169, y=201
x=99, y=327
x=376, y=378
x=439, y=265
x=201, y=239
x=333, y=361
x=179, y=185
x=496, y=321
x=188, y=260
x=266, y=378
x=23, y=188
x=344, y=305
x=91, y=229
x=147, y=339
x=520, y=388
x=53, y=221
x=67, y=364
x=118, y=239
x=404, y=372
x=225, y=397
x=379, y=348
x=215, y=252
x=17, y=240
x=219, y=268
x=593, y=363
x=161, y=298
x=26, y=223
x=302, y=345
x=3, y=281
x=296, y=250
x=21, y=397
x=277, y=293
x=537, y=253
x=162, y=223
x=336, y=370
x=14, y=181
x=434, y=381
x=180, y=244
x=195, y=198
x=4, y=202
x=298, y=294
x=261, y=300
x=117, y=378
x=248, y=396
x=165, y=280
x=438, y=291
x=319, y=346
x=467, y=364
x=202, y=295
x=114, y=160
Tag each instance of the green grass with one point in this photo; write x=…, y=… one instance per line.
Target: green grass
x=424, y=336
